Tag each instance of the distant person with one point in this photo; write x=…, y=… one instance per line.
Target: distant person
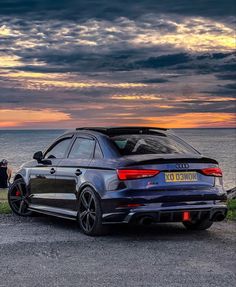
x=5, y=174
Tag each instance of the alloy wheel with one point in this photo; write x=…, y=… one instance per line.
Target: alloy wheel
x=87, y=210
x=18, y=198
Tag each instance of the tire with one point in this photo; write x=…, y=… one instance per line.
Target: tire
x=90, y=213
x=198, y=225
x=18, y=197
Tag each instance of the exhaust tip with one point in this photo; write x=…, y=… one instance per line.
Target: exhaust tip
x=218, y=216
x=146, y=220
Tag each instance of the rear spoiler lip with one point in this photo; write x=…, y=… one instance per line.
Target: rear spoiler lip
x=173, y=160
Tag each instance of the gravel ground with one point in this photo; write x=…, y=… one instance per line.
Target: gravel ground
x=45, y=251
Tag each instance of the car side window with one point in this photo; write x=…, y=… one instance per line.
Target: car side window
x=82, y=148
x=59, y=149
x=98, y=152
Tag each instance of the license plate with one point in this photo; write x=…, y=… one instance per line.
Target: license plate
x=181, y=176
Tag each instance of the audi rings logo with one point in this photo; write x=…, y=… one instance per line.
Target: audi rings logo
x=182, y=165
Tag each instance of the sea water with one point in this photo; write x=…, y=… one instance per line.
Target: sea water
x=18, y=146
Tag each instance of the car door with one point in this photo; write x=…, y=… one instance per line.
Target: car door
x=71, y=174
x=42, y=176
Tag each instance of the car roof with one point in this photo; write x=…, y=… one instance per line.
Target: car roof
x=123, y=130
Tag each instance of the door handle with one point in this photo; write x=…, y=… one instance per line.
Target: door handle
x=52, y=171
x=78, y=172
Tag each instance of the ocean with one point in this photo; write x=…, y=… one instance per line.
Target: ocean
x=18, y=146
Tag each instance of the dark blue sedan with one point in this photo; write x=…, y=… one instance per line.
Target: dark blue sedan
x=101, y=176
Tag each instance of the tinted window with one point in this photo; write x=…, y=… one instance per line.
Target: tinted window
x=149, y=144
x=59, y=150
x=82, y=148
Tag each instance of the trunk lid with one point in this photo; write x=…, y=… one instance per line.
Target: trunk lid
x=177, y=171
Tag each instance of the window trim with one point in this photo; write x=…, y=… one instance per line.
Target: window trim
x=97, y=143
x=81, y=137
x=57, y=142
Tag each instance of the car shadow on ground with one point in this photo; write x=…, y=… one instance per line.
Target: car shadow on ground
x=161, y=231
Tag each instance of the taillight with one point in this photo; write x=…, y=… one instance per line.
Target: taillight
x=125, y=174
x=212, y=171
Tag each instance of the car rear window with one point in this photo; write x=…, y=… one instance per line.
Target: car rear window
x=149, y=144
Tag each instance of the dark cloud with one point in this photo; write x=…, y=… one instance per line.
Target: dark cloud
x=124, y=60
x=155, y=81
x=74, y=9
x=163, y=61
x=227, y=76
x=227, y=67
x=112, y=42
x=81, y=60
x=213, y=56
x=231, y=86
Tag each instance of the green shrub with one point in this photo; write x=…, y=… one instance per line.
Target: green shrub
x=232, y=209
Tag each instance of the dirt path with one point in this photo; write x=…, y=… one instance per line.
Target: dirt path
x=44, y=251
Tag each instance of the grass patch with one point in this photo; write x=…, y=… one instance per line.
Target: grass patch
x=232, y=209
x=4, y=207
x=3, y=194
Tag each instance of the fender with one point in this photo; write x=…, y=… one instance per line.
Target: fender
x=84, y=185
x=24, y=174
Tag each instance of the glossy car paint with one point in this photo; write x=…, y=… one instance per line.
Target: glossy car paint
x=55, y=188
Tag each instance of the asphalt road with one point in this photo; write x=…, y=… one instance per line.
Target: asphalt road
x=45, y=251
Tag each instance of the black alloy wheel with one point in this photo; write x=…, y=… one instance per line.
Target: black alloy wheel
x=18, y=198
x=90, y=214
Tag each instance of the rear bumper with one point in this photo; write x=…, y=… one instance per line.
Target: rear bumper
x=168, y=214
x=129, y=206
x=168, y=206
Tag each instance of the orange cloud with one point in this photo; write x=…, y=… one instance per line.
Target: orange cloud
x=19, y=117
x=8, y=124
x=51, y=84
x=193, y=120
x=51, y=118
x=149, y=97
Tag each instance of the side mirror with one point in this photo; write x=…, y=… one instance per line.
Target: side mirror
x=38, y=156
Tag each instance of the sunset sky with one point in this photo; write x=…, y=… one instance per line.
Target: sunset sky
x=65, y=64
